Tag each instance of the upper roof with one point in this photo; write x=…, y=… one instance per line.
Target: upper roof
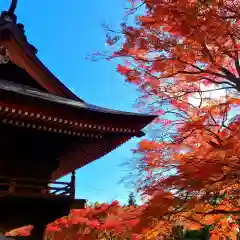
x=23, y=54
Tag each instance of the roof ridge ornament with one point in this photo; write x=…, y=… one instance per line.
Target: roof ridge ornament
x=9, y=15
x=12, y=7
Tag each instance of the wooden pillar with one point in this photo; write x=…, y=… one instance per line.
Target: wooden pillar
x=38, y=232
x=73, y=184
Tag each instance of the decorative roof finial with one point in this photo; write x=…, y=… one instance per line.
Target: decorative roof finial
x=9, y=15
x=12, y=7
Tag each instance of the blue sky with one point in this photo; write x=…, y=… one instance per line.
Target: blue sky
x=64, y=32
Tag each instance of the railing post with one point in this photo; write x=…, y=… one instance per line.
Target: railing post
x=12, y=186
x=72, y=184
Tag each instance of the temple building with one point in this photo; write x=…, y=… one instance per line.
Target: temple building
x=46, y=133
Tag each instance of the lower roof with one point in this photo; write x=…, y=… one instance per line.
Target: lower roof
x=105, y=129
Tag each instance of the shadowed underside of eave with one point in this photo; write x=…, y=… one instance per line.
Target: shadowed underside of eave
x=80, y=155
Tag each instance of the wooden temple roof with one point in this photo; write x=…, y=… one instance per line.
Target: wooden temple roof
x=32, y=97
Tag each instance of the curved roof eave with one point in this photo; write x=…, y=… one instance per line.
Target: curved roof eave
x=35, y=93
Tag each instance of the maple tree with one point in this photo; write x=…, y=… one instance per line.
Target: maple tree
x=184, y=57
x=181, y=54
x=195, y=180
x=179, y=45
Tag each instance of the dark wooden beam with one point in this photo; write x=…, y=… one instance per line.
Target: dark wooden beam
x=73, y=184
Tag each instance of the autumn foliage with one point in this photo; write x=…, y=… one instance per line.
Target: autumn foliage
x=98, y=221
x=184, y=57
x=178, y=45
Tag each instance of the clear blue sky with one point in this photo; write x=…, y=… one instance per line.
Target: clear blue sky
x=64, y=32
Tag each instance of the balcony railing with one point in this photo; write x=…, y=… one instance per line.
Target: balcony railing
x=34, y=187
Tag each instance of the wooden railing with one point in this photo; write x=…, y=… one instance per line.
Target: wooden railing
x=35, y=187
